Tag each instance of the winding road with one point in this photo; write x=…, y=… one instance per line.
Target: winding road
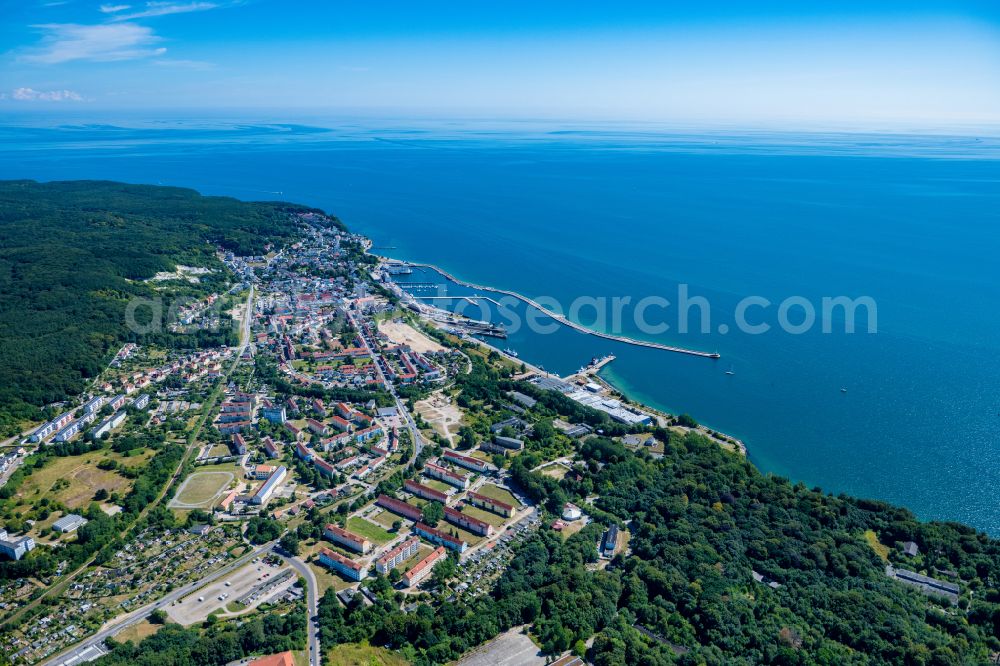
x=122, y=622
x=312, y=603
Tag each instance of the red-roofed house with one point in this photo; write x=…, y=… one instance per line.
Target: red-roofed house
x=490, y=504
x=282, y=659
x=474, y=525
x=347, y=539
x=426, y=492
x=422, y=568
x=400, y=508
x=337, y=562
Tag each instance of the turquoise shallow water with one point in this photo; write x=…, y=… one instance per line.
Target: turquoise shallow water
x=910, y=221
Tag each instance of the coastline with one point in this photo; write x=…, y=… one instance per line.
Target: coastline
x=663, y=418
x=560, y=318
x=549, y=313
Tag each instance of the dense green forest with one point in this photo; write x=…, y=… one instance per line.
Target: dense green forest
x=72, y=255
x=221, y=643
x=702, y=520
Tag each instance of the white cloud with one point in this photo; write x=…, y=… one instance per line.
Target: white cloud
x=64, y=42
x=32, y=95
x=166, y=8
x=111, y=9
x=184, y=64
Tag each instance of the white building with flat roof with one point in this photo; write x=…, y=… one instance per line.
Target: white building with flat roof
x=71, y=522
x=15, y=547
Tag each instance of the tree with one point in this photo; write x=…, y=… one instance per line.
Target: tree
x=444, y=570
x=158, y=616
x=199, y=517
x=101, y=495
x=686, y=420
x=432, y=513
x=290, y=542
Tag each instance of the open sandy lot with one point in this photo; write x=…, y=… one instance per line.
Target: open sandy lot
x=443, y=415
x=404, y=334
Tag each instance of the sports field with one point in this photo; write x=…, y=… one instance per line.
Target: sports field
x=201, y=489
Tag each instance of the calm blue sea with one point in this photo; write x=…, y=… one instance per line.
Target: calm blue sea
x=911, y=221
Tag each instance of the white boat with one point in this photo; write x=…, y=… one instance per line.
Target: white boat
x=510, y=352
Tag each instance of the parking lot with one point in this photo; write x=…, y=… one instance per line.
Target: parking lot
x=199, y=605
x=512, y=648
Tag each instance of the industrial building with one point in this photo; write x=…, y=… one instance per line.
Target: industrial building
x=268, y=488
x=15, y=548
x=69, y=523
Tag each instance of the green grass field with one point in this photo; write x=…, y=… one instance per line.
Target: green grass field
x=73, y=480
x=369, y=530
x=202, y=487
x=469, y=537
x=491, y=518
x=137, y=632
x=218, y=451
x=498, y=493
x=362, y=654
x=437, y=485
x=423, y=552
x=386, y=519
x=880, y=549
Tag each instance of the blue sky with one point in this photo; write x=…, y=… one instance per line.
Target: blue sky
x=751, y=63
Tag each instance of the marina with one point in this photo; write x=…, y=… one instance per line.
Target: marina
x=557, y=317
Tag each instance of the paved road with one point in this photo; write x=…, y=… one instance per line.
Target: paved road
x=312, y=603
x=142, y=613
x=245, y=326
x=418, y=442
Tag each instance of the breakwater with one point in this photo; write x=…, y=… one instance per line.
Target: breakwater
x=567, y=322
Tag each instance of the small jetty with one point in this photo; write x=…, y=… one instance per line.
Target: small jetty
x=563, y=320
x=417, y=285
x=598, y=363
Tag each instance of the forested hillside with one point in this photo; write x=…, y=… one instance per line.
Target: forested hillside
x=702, y=521
x=72, y=254
x=725, y=565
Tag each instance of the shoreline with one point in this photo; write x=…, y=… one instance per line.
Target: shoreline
x=720, y=437
x=558, y=317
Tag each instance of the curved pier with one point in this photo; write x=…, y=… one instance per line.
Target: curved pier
x=563, y=320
